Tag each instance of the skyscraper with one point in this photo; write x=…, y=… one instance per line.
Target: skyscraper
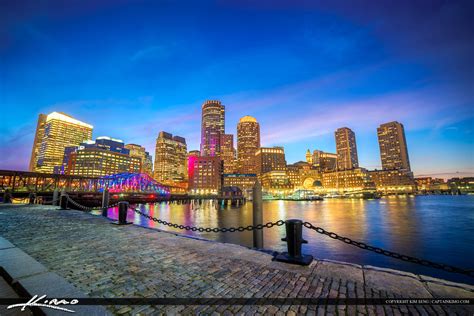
x=213, y=126
x=393, y=146
x=145, y=157
x=60, y=131
x=171, y=158
x=248, y=143
x=270, y=159
x=346, y=149
x=37, y=141
x=228, y=152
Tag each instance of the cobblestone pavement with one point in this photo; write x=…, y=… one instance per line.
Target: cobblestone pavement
x=104, y=260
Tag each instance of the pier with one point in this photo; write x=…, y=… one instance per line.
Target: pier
x=107, y=261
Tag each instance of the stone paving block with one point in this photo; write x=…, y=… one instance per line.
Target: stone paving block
x=340, y=270
x=16, y=263
x=402, y=283
x=4, y=244
x=466, y=287
x=439, y=290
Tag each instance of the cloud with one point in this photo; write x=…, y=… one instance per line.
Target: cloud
x=153, y=52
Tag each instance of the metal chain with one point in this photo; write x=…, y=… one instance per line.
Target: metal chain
x=208, y=229
x=388, y=253
x=88, y=209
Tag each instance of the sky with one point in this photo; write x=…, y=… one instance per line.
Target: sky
x=302, y=68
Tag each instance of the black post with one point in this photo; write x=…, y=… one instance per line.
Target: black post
x=7, y=197
x=32, y=197
x=123, y=209
x=63, y=201
x=56, y=197
x=105, y=202
x=294, y=240
x=257, y=215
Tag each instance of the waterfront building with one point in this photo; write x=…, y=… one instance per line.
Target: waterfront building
x=348, y=181
x=213, y=126
x=145, y=158
x=429, y=184
x=205, y=175
x=346, y=149
x=393, y=146
x=104, y=156
x=461, y=185
x=227, y=153
x=171, y=157
x=303, y=176
x=270, y=159
x=276, y=183
x=393, y=181
x=248, y=143
x=37, y=141
x=323, y=161
x=244, y=182
x=60, y=131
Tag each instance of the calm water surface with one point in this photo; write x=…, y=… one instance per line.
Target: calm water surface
x=437, y=228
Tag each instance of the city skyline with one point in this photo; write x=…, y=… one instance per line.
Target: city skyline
x=125, y=89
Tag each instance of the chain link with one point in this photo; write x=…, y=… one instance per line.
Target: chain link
x=86, y=208
x=208, y=229
x=388, y=253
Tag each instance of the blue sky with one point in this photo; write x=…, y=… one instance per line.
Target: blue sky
x=302, y=68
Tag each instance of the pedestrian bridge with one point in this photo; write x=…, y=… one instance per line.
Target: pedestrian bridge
x=22, y=181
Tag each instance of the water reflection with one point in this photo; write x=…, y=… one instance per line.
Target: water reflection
x=437, y=228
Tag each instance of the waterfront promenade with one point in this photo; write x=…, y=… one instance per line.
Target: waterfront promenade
x=104, y=260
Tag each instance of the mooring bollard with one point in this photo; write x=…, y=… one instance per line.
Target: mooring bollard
x=257, y=215
x=294, y=240
x=56, y=197
x=122, y=216
x=105, y=202
x=63, y=201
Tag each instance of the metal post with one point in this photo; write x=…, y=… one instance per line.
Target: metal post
x=257, y=215
x=294, y=240
x=7, y=196
x=123, y=209
x=32, y=197
x=63, y=201
x=56, y=197
x=105, y=202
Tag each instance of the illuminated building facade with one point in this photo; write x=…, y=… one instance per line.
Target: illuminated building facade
x=461, y=185
x=244, y=182
x=60, y=131
x=429, y=184
x=324, y=162
x=346, y=149
x=302, y=175
x=309, y=157
x=270, y=159
x=348, y=181
x=393, y=181
x=213, y=126
x=248, y=143
x=171, y=157
x=276, y=183
x=37, y=141
x=393, y=146
x=228, y=153
x=145, y=157
x=105, y=156
x=205, y=175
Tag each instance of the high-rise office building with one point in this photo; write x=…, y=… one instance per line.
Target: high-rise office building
x=270, y=159
x=228, y=153
x=60, y=131
x=213, y=126
x=346, y=149
x=205, y=177
x=171, y=158
x=104, y=156
x=37, y=141
x=324, y=162
x=393, y=146
x=145, y=157
x=248, y=143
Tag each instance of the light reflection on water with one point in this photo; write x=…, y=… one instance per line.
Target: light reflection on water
x=437, y=228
